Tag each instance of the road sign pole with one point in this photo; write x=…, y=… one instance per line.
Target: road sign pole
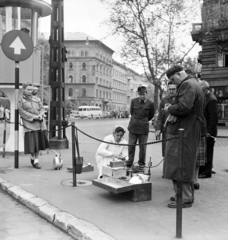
x=16, y=136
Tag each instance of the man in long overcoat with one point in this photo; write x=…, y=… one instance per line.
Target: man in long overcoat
x=185, y=113
x=211, y=116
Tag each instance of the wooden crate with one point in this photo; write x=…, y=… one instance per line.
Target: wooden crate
x=133, y=192
x=114, y=172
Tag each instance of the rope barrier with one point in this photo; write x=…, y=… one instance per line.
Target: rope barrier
x=121, y=144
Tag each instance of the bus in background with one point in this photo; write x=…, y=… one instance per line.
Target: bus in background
x=90, y=112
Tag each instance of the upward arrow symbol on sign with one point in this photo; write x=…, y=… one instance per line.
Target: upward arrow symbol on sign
x=17, y=44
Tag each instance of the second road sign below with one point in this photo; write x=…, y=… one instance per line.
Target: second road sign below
x=17, y=45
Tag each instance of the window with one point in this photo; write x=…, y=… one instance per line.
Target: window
x=97, y=93
x=100, y=81
x=103, y=82
x=103, y=94
x=86, y=53
x=100, y=94
x=70, y=92
x=96, y=79
x=82, y=53
x=71, y=65
x=70, y=79
x=83, y=92
x=107, y=95
x=84, y=66
x=84, y=79
x=107, y=83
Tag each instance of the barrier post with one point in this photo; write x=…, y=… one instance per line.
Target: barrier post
x=179, y=184
x=16, y=134
x=4, y=135
x=73, y=154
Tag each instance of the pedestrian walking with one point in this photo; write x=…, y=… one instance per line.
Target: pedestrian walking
x=108, y=152
x=211, y=116
x=32, y=114
x=186, y=113
x=142, y=111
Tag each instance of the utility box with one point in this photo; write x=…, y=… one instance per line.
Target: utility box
x=116, y=172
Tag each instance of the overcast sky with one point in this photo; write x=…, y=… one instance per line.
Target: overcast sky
x=86, y=16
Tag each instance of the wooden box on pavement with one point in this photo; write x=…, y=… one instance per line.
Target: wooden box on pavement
x=114, y=172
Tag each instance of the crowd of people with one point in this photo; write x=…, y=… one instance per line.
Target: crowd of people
x=189, y=105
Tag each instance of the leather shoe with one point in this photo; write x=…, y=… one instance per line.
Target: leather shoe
x=184, y=204
x=37, y=166
x=196, y=186
x=204, y=176
x=32, y=161
x=172, y=199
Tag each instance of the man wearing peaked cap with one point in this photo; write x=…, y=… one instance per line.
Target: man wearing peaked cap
x=187, y=111
x=142, y=111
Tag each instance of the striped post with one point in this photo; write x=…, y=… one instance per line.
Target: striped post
x=16, y=134
x=73, y=154
x=179, y=184
x=4, y=135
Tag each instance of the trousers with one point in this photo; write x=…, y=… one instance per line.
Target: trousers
x=133, y=138
x=206, y=169
x=187, y=191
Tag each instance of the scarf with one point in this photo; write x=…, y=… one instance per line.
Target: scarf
x=27, y=96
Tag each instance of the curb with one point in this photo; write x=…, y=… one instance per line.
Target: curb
x=77, y=228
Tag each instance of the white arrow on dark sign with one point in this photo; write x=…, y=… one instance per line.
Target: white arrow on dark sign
x=17, y=44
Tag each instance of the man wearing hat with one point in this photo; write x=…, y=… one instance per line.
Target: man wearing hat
x=142, y=111
x=187, y=111
x=162, y=116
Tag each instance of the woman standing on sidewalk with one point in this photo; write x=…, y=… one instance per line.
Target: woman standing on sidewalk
x=32, y=114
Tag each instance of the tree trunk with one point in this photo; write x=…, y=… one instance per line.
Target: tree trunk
x=156, y=97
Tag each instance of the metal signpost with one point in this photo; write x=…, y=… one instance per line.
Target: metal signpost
x=17, y=46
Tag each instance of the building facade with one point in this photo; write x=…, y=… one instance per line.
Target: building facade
x=93, y=78
x=212, y=35
x=88, y=71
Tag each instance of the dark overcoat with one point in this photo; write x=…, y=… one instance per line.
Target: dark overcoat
x=188, y=109
x=162, y=116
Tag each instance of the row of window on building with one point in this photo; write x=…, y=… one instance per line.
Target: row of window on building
x=99, y=69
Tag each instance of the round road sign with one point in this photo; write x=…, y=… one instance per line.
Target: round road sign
x=17, y=45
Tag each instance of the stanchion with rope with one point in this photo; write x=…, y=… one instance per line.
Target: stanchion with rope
x=179, y=184
x=73, y=154
x=4, y=137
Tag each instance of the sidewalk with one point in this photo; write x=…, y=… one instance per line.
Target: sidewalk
x=88, y=211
